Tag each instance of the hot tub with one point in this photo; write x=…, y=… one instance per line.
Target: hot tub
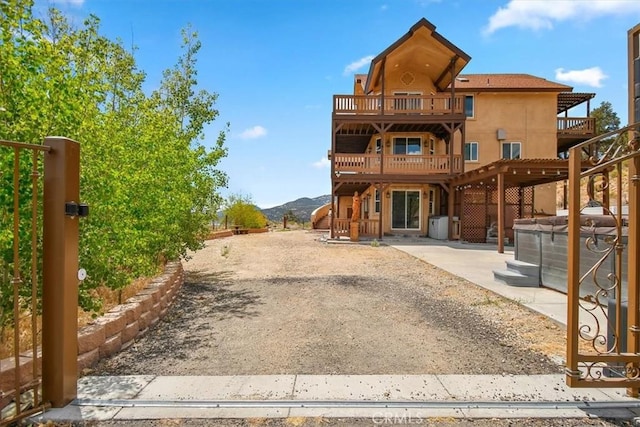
x=543, y=242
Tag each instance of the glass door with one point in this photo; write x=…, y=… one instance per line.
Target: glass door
x=405, y=210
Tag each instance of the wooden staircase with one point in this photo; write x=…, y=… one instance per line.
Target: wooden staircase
x=322, y=224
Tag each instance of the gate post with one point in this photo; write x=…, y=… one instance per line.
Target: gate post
x=60, y=270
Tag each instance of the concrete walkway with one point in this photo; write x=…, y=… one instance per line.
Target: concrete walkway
x=383, y=398
x=476, y=263
x=362, y=396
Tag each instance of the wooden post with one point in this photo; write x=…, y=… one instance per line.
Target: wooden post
x=633, y=263
x=573, y=267
x=501, y=210
x=60, y=272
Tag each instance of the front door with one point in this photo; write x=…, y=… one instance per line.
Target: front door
x=405, y=210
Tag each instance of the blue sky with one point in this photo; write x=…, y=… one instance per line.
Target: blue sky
x=276, y=64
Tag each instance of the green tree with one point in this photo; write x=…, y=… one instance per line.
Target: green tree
x=149, y=178
x=241, y=211
x=606, y=119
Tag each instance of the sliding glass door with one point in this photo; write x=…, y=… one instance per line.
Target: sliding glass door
x=405, y=210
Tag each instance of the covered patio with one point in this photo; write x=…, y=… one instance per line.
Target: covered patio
x=503, y=188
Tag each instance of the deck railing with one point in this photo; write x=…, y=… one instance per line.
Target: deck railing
x=368, y=227
x=406, y=164
x=398, y=104
x=576, y=126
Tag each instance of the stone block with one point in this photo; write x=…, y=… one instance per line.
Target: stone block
x=111, y=346
x=113, y=323
x=90, y=337
x=130, y=332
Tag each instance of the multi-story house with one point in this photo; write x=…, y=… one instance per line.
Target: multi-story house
x=418, y=140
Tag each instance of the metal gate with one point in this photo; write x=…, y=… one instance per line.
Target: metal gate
x=39, y=187
x=603, y=327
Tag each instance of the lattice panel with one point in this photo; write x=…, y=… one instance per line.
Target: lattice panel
x=480, y=209
x=473, y=215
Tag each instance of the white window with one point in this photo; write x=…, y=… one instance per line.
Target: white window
x=432, y=146
x=378, y=145
x=471, y=151
x=376, y=202
x=407, y=146
x=511, y=150
x=469, y=107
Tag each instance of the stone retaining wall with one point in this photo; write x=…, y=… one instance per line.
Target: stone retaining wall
x=114, y=331
x=117, y=329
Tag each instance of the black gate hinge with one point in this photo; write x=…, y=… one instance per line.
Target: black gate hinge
x=74, y=209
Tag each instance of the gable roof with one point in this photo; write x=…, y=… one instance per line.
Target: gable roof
x=422, y=45
x=507, y=83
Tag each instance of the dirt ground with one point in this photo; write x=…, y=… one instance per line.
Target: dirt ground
x=288, y=303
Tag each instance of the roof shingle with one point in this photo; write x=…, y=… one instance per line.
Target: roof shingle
x=502, y=82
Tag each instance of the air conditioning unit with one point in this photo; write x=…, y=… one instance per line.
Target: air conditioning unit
x=501, y=134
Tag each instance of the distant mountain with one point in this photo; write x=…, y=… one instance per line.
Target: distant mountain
x=301, y=208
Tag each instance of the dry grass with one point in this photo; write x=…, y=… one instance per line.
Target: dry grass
x=109, y=298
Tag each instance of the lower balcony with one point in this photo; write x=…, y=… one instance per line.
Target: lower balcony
x=406, y=164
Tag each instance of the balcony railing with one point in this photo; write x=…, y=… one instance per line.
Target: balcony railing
x=398, y=104
x=576, y=126
x=406, y=164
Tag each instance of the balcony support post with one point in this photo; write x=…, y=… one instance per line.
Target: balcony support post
x=501, y=212
x=333, y=177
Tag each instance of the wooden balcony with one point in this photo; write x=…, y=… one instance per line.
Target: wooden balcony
x=428, y=105
x=577, y=126
x=406, y=164
x=574, y=130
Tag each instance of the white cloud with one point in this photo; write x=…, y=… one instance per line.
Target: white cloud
x=253, y=133
x=322, y=163
x=542, y=14
x=356, y=65
x=590, y=76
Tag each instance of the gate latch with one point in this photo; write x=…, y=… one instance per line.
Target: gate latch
x=74, y=209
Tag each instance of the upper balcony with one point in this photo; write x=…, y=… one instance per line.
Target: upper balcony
x=402, y=105
x=572, y=130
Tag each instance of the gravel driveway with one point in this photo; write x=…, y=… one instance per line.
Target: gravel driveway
x=288, y=303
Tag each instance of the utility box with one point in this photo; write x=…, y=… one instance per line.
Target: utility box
x=439, y=227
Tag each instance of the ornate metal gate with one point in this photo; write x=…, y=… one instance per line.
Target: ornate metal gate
x=38, y=275
x=603, y=327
